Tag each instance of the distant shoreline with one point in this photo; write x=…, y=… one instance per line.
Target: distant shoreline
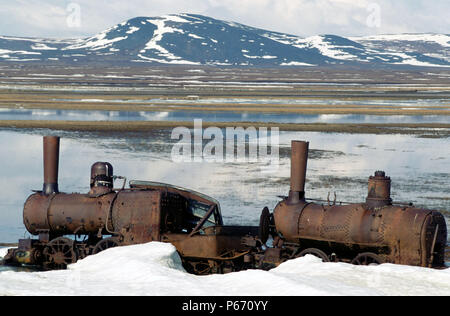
x=428, y=130
x=306, y=109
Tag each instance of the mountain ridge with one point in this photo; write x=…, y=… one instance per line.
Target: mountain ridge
x=191, y=39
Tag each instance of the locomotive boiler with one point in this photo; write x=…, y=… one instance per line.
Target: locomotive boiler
x=376, y=231
x=70, y=227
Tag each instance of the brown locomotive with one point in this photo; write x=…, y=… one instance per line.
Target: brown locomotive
x=106, y=217
x=372, y=232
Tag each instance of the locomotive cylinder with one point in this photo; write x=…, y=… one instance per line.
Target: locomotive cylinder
x=51, y=165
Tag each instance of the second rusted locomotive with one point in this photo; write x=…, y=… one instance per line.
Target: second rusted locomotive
x=72, y=226
x=374, y=232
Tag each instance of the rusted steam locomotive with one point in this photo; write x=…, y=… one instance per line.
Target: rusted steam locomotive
x=106, y=217
x=367, y=233
x=373, y=232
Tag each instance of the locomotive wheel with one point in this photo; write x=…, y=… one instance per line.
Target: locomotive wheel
x=315, y=252
x=264, y=225
x=367, y=259
x=60, y=252
x=105, y=244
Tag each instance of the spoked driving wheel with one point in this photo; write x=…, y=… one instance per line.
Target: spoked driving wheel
x=105, y=244
x=59, y=253
x=264, y=225
x=315, y=252
x=367, y=259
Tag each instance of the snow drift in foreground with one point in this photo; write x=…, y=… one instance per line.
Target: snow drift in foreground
x=155, y=269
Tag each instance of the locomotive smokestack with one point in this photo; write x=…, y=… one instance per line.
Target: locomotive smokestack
x=299, y=160
x=379, y=193
x=51, y=164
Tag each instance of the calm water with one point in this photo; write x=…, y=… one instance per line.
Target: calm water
x=232, y=101
x=215, y=116
x=338, y=163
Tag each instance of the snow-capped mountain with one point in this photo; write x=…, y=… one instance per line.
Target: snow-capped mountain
x=200, y=40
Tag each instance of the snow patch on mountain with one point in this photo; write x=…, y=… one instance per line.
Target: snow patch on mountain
x=441, y=39
x=161, y=29
x=97, y=42
x=296, y=63
x=328, y=49
x=42, y=46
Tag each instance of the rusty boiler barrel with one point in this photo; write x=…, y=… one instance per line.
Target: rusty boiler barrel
x=127, y=212
x=403, y=235
x=66, y=213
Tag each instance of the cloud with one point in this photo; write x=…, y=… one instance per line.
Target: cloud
x=49, y=18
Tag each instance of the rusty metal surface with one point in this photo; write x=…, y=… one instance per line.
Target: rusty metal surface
x=101, y=178
x=204, y=246
x=164, y=187
x=392, y=233
x=135, y=215
x=66, y=213
x=51, y=164
x=299, y=161
x=379, y=190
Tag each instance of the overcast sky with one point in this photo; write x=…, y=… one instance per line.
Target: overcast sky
x=80, y=18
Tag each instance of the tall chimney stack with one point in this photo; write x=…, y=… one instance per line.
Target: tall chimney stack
x=299, y=160
x=51, y=164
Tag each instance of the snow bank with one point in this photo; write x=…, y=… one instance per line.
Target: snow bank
x=3, y=252
x=155, y=269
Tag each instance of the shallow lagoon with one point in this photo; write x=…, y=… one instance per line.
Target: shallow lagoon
x=212, y=116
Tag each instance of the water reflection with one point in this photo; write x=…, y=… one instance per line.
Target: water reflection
x=195, y=100
x=339, y=163
x=212, y=116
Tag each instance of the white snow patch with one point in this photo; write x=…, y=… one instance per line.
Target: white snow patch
x=264, y=57
x=158, y=34
x=97, y=42
x=175, y=18
x=42, y=46
x=23, y=59
x=3, y=252
x=133, y=29
x=195, y=36
x=269, y=57
x=283, y=38
x=441, y=39
x=327, y=49
x=296, y=63
x=164, y=61
x=155, y=269
x=19, y=52
x=409, y=60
